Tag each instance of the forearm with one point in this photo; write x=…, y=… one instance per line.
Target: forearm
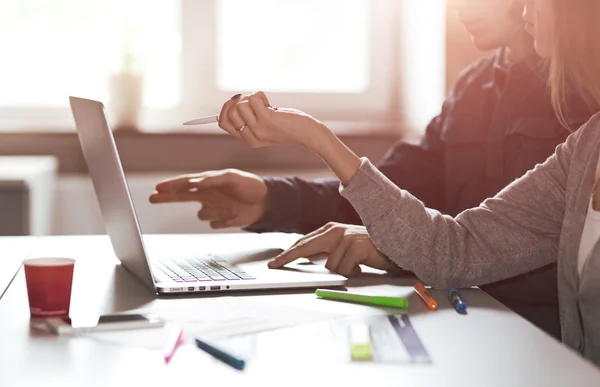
x=300, y=206
x=341, y=160
x=511, y=234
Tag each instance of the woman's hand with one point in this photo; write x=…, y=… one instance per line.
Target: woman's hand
x=255, y=122
x=347, y=246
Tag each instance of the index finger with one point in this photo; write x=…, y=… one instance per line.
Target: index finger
x=311, y=246
x=180, y=197
x=259, y=104
x=224, y=122
x=177, y=183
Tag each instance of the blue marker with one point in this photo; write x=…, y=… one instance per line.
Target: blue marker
x=457, y=301
x=226, y=358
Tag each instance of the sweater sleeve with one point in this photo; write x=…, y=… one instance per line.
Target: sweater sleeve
x=515, y=232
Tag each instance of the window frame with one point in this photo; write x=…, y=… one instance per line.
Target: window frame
x=206, y=98
x=380, y=106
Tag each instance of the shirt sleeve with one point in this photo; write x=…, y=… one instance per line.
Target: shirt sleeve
x=300, y=206
x=515, y=232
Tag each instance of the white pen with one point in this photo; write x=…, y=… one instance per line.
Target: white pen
x=203, y=120
x=209, y=119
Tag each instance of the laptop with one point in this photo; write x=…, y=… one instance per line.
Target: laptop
x=181, y=272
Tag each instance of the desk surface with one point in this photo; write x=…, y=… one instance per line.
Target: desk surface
x=491, y=346
x=13, y=250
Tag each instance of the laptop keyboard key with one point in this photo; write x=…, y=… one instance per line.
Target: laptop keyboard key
x=202, y=269
x=203, y=278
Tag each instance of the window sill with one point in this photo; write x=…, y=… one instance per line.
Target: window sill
x=194, y=149
x=341, y=128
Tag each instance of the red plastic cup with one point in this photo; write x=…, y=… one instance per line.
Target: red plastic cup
x=49, y=282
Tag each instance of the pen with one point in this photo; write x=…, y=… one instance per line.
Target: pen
x=392, y=302
x=226, y=358
x=203, y=120
x=455, y=297
x=172, y=344
x=425, y=296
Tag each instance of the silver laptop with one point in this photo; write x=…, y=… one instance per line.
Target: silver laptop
x=190, y=272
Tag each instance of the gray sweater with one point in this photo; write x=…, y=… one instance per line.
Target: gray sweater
x=536, y=220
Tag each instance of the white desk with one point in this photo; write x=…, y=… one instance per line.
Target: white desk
x=13, y=250
x=491, y=346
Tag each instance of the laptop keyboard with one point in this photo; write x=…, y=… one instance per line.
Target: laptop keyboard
x=200, y=269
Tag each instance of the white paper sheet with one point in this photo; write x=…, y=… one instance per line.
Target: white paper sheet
x=212, y=319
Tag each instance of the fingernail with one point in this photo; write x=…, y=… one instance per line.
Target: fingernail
x=236, y=96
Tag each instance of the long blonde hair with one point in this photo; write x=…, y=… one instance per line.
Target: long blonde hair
x=575, y=61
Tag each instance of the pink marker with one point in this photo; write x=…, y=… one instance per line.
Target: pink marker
x=172, y=344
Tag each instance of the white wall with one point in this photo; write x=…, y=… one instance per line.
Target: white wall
x=423, y=60
x=76, y=209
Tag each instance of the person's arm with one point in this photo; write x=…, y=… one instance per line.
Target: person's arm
x=515, y=232
x=300, y=206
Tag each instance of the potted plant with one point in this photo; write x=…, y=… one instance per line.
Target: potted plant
x=125, y=93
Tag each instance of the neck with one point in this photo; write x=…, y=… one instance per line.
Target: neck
x=519, y=49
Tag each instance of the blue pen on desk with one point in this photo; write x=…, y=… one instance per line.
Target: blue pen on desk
x=226, y=358
x=457, y=301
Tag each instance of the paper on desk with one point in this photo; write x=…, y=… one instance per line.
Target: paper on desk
x=321, y=343
x=213, y=319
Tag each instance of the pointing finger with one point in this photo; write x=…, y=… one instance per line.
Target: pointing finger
x=312, y=246
x=179, y=197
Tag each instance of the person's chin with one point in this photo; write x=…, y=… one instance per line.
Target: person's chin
x=541, y=50
x=484, y=44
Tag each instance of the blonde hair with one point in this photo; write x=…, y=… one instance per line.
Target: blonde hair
x=574, y=67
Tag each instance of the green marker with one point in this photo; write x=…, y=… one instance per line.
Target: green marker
x=390, y=302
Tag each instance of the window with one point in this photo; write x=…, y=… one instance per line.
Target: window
x=70, y=47
x=286, y=48
x=336, y=59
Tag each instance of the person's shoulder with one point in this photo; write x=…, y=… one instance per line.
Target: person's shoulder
x=478, y=72
x=588, y=135
x=591, y=129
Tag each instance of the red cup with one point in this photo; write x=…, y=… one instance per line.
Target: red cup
x=49, y=282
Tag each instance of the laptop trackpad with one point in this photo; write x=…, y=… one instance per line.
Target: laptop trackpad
x=251, y=256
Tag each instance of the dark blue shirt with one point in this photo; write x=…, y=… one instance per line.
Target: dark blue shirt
x=496, y=124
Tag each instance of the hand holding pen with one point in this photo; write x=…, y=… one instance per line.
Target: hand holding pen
x=254, y=121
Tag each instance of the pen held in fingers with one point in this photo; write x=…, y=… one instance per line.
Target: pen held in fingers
x=203, y=120
x=211, y=119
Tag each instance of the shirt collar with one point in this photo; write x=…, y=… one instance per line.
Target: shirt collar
x=502, y=70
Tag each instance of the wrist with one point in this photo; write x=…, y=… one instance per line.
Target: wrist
x=321, y=140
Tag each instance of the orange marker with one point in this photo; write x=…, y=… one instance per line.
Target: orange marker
x=425, y=296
